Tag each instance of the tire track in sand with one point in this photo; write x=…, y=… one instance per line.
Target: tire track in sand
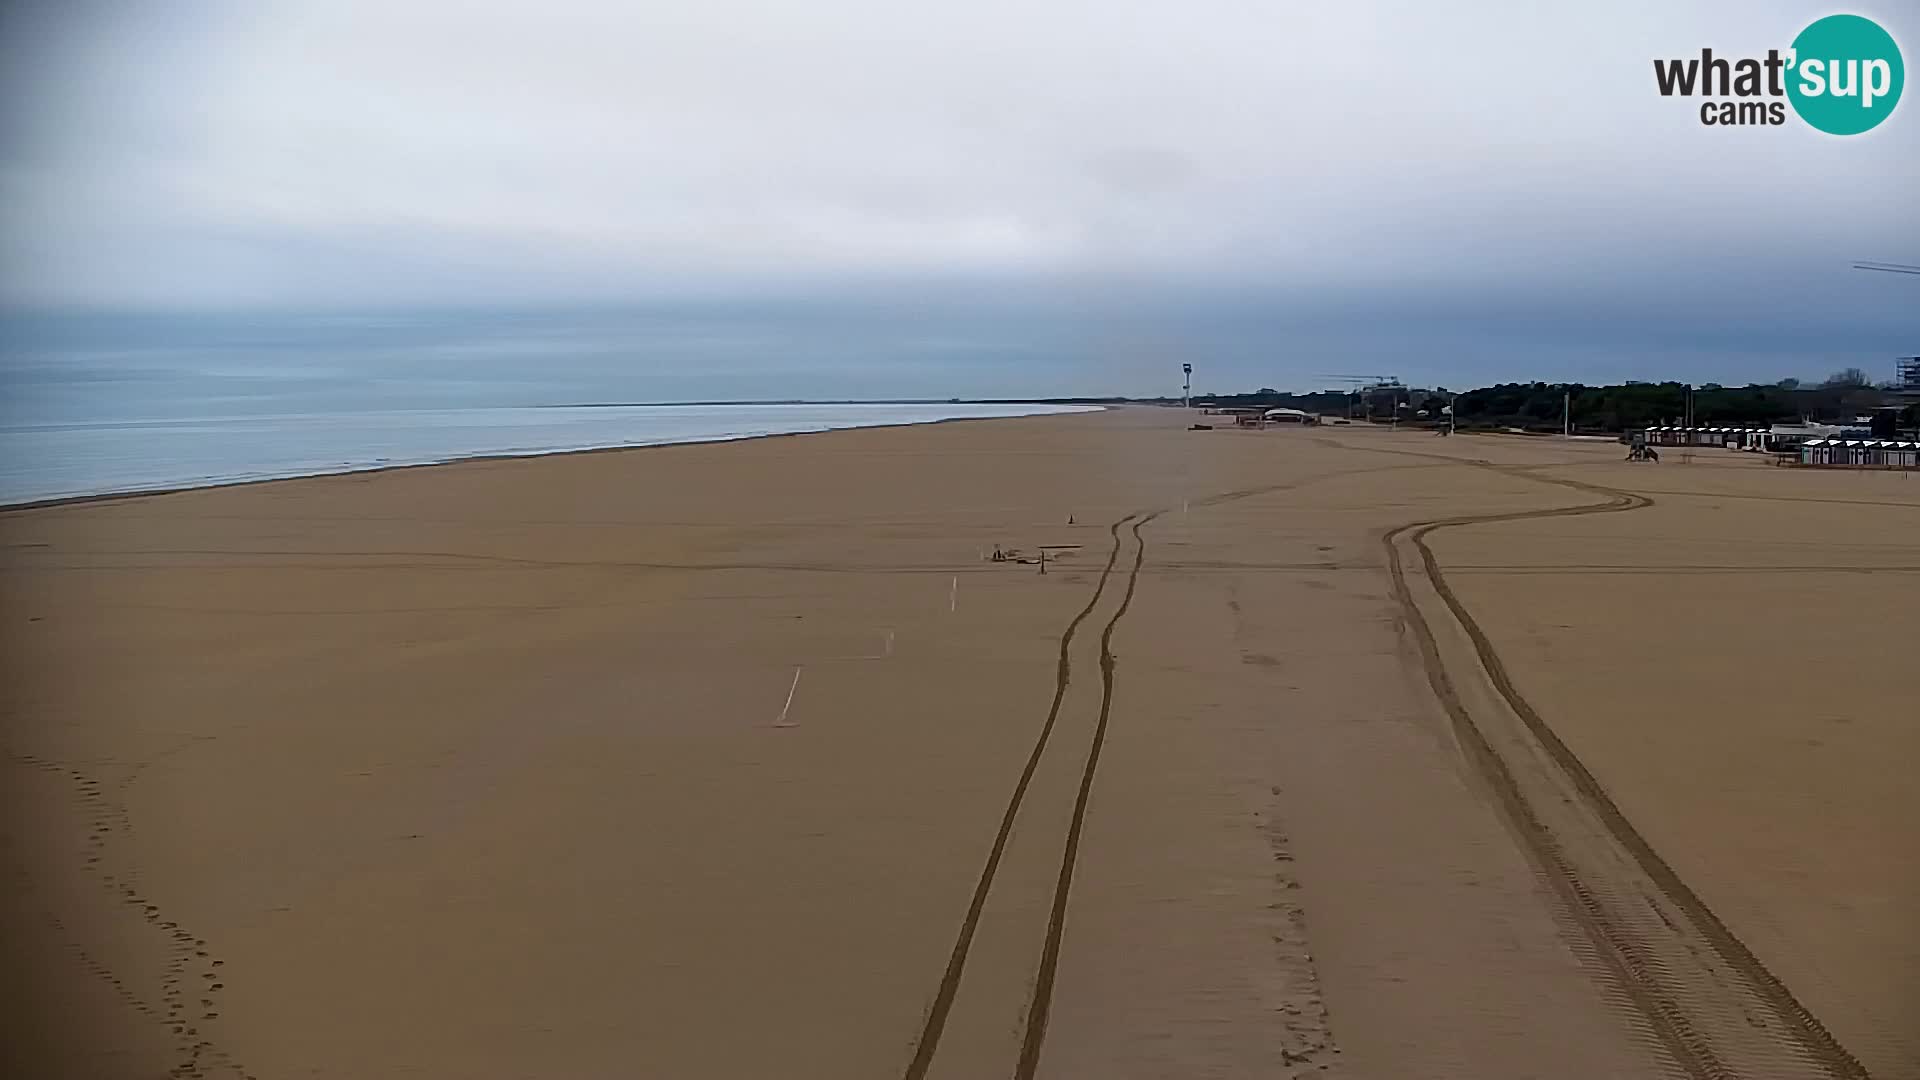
x=1713, y=1006
x=929, y=1041
x=1042, y=1003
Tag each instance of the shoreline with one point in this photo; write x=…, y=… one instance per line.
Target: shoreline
x=57, y=501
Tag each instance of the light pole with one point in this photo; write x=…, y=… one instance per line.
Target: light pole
x=1686, y=454
x=1186, y=388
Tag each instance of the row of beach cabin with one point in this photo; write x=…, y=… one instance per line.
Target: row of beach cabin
x=1861, y=453
x=1800, y=444
x=1759, y=440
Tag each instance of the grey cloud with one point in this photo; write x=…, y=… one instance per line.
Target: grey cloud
x=1385, y=162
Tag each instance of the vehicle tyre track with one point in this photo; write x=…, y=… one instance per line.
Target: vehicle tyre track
x=1691, y=1028
x=929, y=1040
x=1042, y=1002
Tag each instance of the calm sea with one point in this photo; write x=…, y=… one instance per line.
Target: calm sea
x=91, y=405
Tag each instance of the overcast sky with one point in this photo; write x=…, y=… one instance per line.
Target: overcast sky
x=1484, y=186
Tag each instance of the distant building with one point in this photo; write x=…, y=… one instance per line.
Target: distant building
x=1906, y=380
x=1736, y=438
x=1807, y=430
x=1777, y=438
x=1289, y=416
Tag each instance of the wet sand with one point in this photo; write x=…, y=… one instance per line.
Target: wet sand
x=737, y=761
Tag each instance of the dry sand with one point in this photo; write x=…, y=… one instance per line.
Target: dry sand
x=735, y=761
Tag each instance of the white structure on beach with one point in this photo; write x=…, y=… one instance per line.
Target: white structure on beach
x=1861, y=453
x=1289, y=416
x=1777, y=438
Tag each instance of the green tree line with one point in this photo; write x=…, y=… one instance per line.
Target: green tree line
x=1633, y=405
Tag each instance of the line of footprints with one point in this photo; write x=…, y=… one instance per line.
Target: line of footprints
x=190, y=980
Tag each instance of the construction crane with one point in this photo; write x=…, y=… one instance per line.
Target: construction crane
x=1381, y=380
x=1360, y=383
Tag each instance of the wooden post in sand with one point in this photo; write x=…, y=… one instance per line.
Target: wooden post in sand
x=781, y=720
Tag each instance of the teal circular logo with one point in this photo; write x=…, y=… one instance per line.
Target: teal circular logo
x=1846, y=74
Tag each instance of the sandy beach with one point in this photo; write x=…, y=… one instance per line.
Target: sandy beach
x=1313, y=752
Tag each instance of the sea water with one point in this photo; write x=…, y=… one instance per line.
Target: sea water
x=91, y=407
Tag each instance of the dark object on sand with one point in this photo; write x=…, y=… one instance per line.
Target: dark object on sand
x=1201, y=427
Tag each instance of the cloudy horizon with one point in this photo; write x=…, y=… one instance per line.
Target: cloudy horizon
x=1468, y=196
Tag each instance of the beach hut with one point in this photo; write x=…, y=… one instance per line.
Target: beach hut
x=1861, y=453
x=1896, y=454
